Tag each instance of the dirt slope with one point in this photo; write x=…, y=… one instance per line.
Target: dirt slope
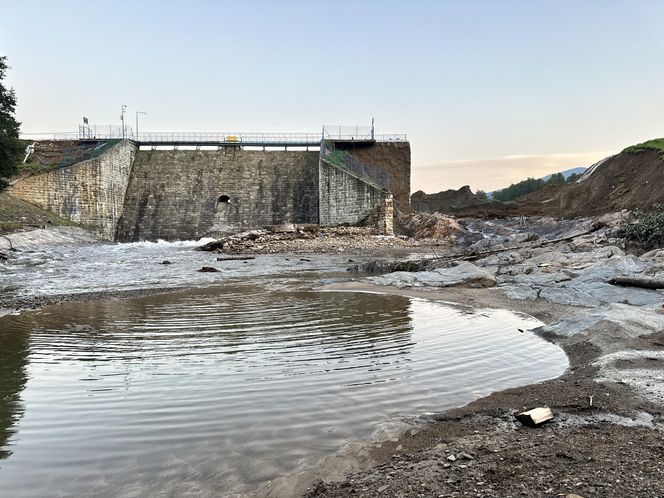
x=629, y=180
x=625, y=181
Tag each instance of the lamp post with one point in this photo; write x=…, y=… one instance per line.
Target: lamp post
x=124, y=109
x=137, y=113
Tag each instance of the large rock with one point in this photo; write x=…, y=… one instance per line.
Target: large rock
x=608, y=326
x=463, y=274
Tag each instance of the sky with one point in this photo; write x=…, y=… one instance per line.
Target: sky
x=488, y=92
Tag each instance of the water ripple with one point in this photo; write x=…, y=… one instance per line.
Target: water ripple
x=215, y=391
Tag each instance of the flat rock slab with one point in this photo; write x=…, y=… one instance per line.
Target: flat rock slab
x=464, y=273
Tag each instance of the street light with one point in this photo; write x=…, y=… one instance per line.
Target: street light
x=137, y=113
x=124, y=109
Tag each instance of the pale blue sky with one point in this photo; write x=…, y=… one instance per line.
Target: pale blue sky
x=489, y=92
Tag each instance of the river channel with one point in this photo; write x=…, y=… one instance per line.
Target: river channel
x=219, y=389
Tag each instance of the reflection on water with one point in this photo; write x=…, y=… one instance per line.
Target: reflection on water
x=218, y=391
x=13, y=360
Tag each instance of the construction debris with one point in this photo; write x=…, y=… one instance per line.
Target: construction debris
x=535, y=417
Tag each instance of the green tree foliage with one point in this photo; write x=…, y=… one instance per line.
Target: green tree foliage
x=11, y=148
x=527, y=186
x=555, y=179
x=573, y=177
x=481, y=194
x=518, y=189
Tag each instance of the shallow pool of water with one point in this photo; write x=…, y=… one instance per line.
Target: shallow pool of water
x=217, y=391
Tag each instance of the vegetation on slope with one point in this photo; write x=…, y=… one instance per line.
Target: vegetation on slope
x=16, y=214
x=530, y=185
x=655, y=144
x=648, y=231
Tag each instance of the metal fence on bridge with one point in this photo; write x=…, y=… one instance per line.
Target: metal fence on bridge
x=334, y=133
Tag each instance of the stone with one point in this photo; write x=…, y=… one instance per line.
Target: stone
x=208, y=269
x=451, y=458
x=464, y=456
x=464, y=273
x=166, y=262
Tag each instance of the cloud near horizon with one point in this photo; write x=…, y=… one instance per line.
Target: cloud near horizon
x=496, y=173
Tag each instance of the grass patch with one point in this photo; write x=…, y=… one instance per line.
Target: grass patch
x=655, y=144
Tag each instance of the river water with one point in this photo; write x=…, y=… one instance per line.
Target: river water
x=220, y=389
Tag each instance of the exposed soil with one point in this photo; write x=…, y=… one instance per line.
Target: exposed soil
x=461, y=203
x=625, y=181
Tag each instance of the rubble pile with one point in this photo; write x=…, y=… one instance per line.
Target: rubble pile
x=307, y=239
x=429, y=226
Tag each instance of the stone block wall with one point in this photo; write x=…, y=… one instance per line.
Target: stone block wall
x=391, y=157
x=348, y=199
x=185, y=194
x=91, y=192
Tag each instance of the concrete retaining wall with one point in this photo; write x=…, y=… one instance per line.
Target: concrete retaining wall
x=176, y=194
x=91, y=192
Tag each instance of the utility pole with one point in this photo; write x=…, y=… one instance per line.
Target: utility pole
x=137, y=113
x=124, y=109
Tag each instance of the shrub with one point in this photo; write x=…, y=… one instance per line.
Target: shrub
x=648, y=232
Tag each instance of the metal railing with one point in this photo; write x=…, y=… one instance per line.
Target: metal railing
x=240, y=138
x=109, y=132
x=359, y=134
x=347, y=161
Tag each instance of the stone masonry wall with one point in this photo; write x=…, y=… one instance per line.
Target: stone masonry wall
x=176, y=194
x=91, y=192
x=348, y=199
x=391, y=157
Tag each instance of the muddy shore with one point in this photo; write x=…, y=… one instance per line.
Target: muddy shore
x=610, y=448
x=607, y=437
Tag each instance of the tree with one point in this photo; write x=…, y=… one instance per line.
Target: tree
x=518, y=189
x=11, y=147
x=481, y=194
x=556, y=179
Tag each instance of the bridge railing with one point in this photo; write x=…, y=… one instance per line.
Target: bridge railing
x=228, y=137
x=347, y=161
x=345, y=134
x=359, y=134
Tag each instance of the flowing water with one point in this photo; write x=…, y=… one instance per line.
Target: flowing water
x=217, y=391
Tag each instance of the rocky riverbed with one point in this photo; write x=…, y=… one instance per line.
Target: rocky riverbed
x=606, y=438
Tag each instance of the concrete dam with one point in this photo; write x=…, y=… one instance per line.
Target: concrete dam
x=136, y=191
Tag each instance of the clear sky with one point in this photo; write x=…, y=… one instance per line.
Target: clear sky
x=489, y=92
